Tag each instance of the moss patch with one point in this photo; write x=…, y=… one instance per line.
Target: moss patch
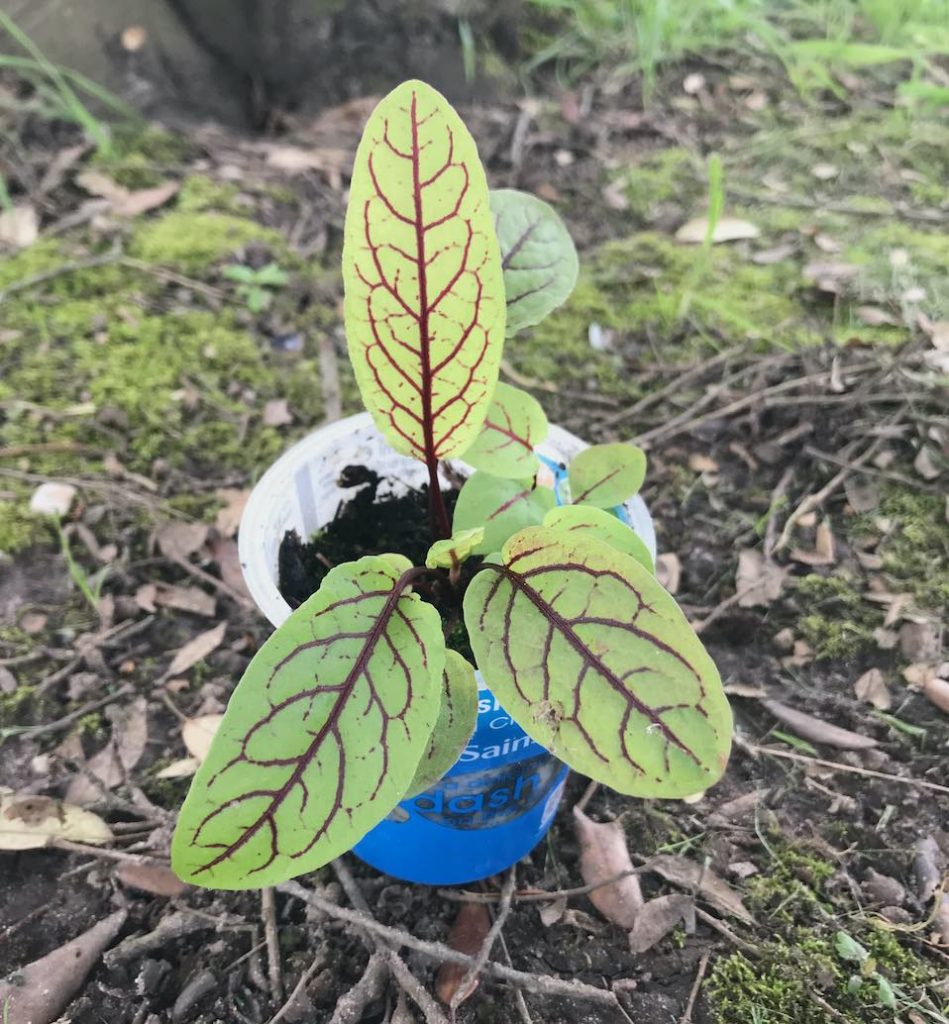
x=666, y=176
x=839, y=623
x=191, y=241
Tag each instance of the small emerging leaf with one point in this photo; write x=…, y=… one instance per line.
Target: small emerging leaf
x=502, y=507
x=322, y=735
x=606, y=475
x=596, y=662
x=849, y=949
x=457, y=717
x=586, y=520
x=424, y=304
x=514, y=426
x=538, y=256
x=447, y=554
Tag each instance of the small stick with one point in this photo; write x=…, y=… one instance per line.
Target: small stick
x=720, y=926
x=201, y=574
x=836, y=766
x=66, y=720
x=686, y=1017
x=463, y=896
x=771, y=527
x=350, y=1006
x=519, y=1001
x=414, y=989
x=467, y=983
x=96, y=851
x=268, y=908
x=543, y=984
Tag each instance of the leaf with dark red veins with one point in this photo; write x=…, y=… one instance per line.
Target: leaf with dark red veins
x=595, y=661
x=422, y=272
x=457, y=717
x=586, y=520
x=606, y=475
x=322, y=736
x=450, y=553
x=514, y=426
x=501, y=506
x=538, y=255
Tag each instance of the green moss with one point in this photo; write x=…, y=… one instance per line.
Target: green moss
x=190, y=242
x=916, y=551
x=791, y=887
x=199, y=193
x=144, y=156
x=13, y=706
x=19, y=528
x=666, y=176
x=839, y=623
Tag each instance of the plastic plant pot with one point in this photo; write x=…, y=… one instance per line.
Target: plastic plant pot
x=499, y=800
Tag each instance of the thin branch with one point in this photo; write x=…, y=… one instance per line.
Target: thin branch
x=686, y=1017
x=463, y=896
x=268, y=909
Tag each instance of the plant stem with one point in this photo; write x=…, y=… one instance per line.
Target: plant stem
x=441, y=526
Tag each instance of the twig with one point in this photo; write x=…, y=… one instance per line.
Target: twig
x=463, y=896
x=837, y=766
x=686, y=1017
x=64, y=268
x=66, y=720
x=465, y=986
x=175, y=926
x=169, y=276
x=777, y=495
x=721, y=927
x=268, y=909
x=224, y=588
x=414, y=989
x=106, y=854
x=350, y=1005
x=541, y=983
x=723, y=606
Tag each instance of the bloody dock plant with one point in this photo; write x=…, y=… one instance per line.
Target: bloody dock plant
x=357, y=701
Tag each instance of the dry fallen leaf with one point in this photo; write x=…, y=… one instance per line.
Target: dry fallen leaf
x=829, y=275
x=813, y=729
x=126, y=203
x=31, y=822
x=20, y=226
x=229, y=517
x=552, y=912
x=727, y=229
x=52, y=499
x=277, y=413
x=937, y=690
x=703, y=463
x=873, y=316
x=759, y=581
x=196, y=650
x=153, y=878
x=657, y=918
x=688, y=874
x=117, y=758
x=178, y=540
x=669, y=571
x=39, y=992
x=862, y=493
x=604, y=854
x=186, y=599
x=824, y=552
x=925, y=463
x=198, y=734
x=825, y=172
x=871, y=687
x=466, y=936
x=183, y=768
x=920, y=641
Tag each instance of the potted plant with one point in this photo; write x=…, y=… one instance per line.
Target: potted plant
x=364, y=696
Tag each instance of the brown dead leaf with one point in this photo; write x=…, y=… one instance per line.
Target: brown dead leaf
x=277, y=413
x=703, y=463
x=759, y=581
x=813, y=729
x=669, y=571
x=767, y=257
x=145, y=597
x=126, y=203
x=688, y=874
x=466, y=936
x=552, y=912
x=925, y=463
x=30, y=822
x=153, y=878
x=937, y=691
x=604, y=854
x=186, y=599
x=39, y=992
x=657, y=918
x=829, y=275
x=871, y=687
x=224, y=552
x=183, y=768
x=727, y=229
x=196, y=650
x=920, y=641
x=19, y=226
x=862, y=493
x=178, y=540
x=33, y=622
x=117, y=758
x=229, y=517
x=873, y=316
x=824, y=552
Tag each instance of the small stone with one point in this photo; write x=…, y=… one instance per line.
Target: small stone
x=53, y=499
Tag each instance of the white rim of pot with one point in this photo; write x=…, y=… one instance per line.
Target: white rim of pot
x=258, y=540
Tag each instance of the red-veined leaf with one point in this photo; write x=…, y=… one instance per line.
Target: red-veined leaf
x=606, y=474
x=457, y=717
x=422, y=271
x=595, y=661
x=322, y=736
x=501, y=506
x=450, y=553
x=586, y=520
x=538, y=256
x=514, y=426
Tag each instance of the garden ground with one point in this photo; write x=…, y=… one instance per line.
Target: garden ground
x=790, y=384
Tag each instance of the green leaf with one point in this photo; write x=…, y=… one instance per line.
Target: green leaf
x=538, y=255
x=607, y=474
x=271, y=276
x=322, y=736
x=585, y=520
x=595, y=661
x=424, y=303
x=258, y=299
x=457, y=718
x=849, y=949
x=514, y=426
x=502, y=507
x=885, y=993
x=448, y=554
x=241, y=274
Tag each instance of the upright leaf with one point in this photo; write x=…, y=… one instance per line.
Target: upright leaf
x=539, y=259
x=450, y=553
x=321, y=737
x=422, y=272
x=605, y=475
x=501, y=506
x=589, y=521
x=457, y=718
x=514, y=426
x=596, y=662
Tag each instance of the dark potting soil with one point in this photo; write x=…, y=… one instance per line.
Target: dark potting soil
x=372, y=524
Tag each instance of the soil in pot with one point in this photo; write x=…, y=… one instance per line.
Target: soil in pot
x=371, y=523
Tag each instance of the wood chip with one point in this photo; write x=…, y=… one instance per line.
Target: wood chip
x=817, y=731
